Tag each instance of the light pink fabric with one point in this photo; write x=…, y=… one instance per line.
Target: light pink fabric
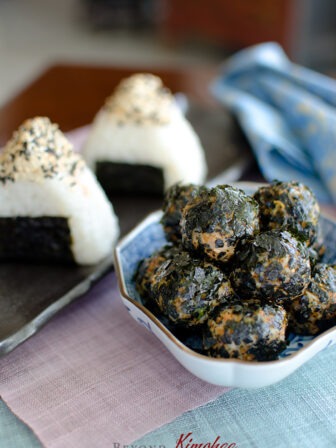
x=78, y=136
x=93, y=377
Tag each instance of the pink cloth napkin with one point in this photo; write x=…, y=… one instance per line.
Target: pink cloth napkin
x=93, y=377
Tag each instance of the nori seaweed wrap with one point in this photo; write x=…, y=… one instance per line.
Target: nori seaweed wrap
x=214, y=222
x=273, y=266
x=249, y=331
x=145, y=275
x=45, y=239
x=289, y=206
x=186, y=289
x=315, y=310
x=175, y=200
x=129, y=178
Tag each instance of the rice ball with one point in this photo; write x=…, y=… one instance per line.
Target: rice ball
x=175, y=200
x=186, y=289
x=273, y=266
x=289, y=206
x=315, y=310
x=249, y=331
x=215, y=221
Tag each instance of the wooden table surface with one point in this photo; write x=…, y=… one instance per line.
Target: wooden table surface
x=70, y=95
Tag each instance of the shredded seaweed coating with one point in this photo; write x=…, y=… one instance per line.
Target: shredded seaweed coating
x=38, y=150
x=176, y=198
x=289, y=206
x=186, y=289
x=145, y=276
x=273, y=266
x=249, y=331
x=315, y=310
x=216, y=220
x=142, y=100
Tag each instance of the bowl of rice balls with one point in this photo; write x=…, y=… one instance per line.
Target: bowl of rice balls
x=237, y=281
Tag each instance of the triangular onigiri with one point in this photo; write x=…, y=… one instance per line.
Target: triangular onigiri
x=141, y=125
x=51, y=205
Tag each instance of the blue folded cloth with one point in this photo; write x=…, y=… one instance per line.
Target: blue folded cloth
x=287, y=113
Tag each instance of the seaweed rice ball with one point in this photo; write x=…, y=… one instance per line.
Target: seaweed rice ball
x=289, y=206
x=273, y=266
x=214, y=222
x=186, y=289
x=249, y=331
x=315, y=310
x=175, y=200
x=146, y=273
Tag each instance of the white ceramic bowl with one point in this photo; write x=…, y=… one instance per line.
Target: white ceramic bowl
x=147, y=237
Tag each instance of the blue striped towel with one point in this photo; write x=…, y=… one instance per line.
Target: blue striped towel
x=287, y=113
